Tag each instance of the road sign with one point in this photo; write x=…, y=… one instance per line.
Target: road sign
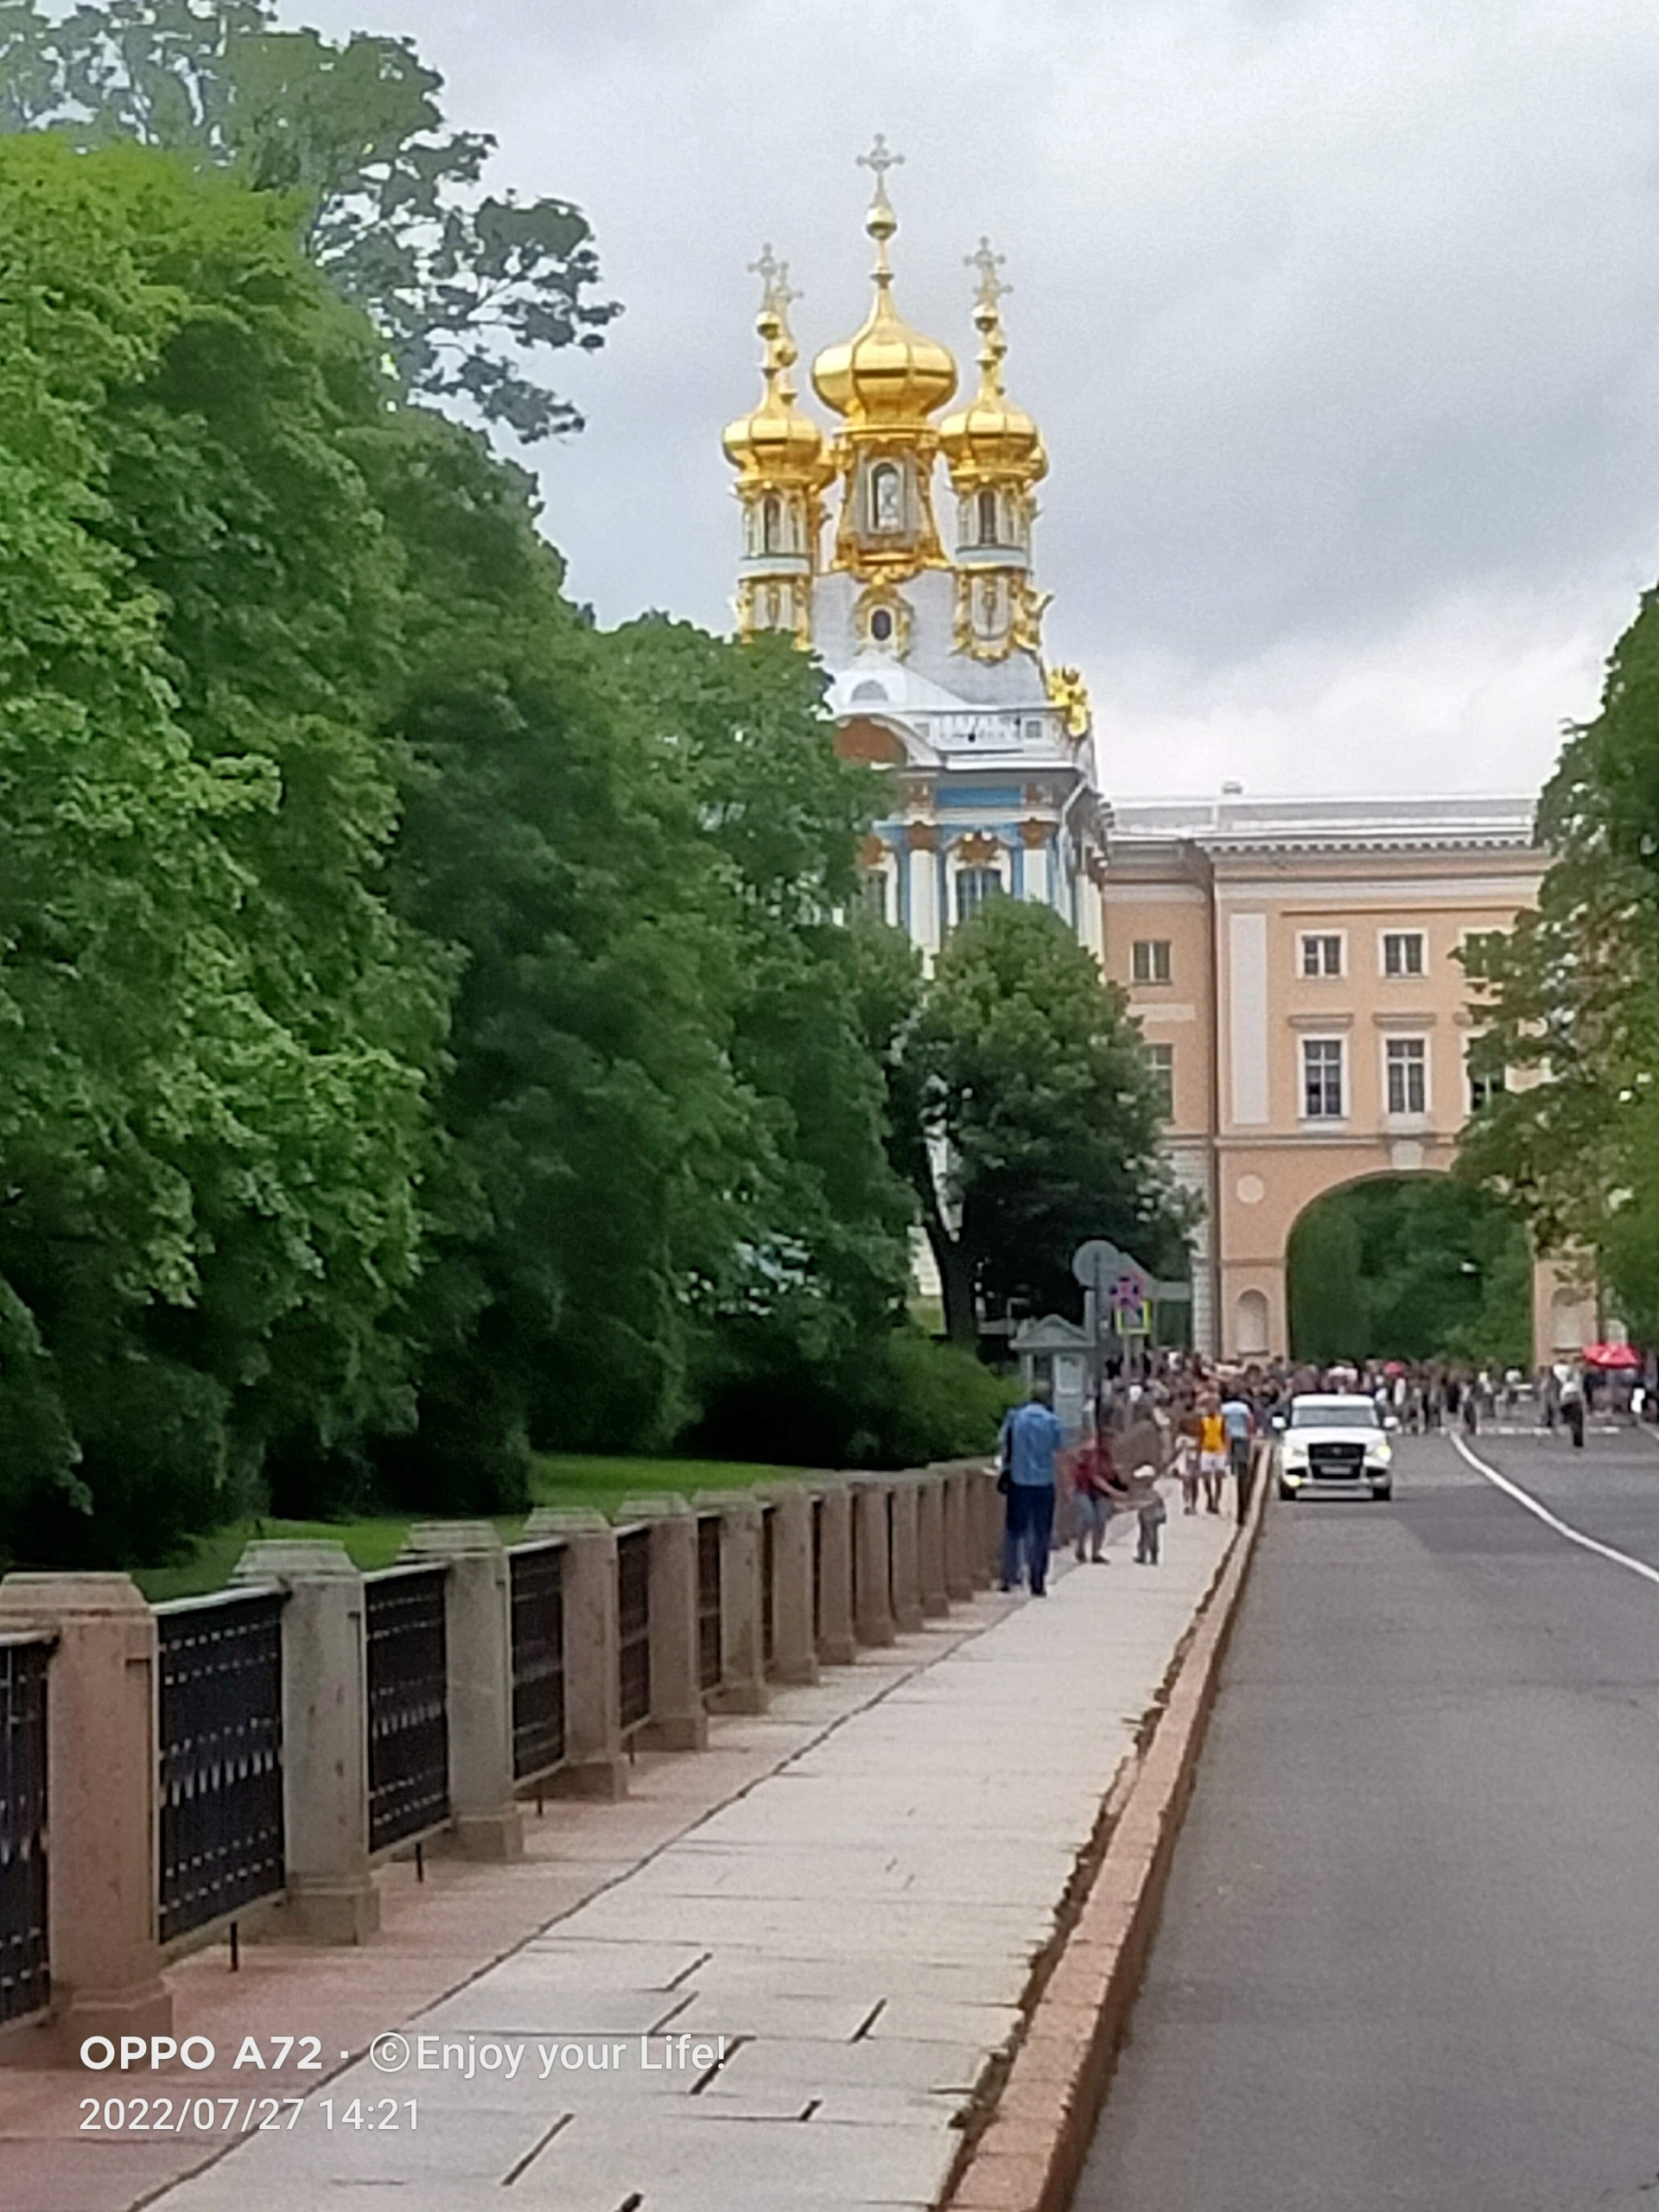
x=1094, y=1264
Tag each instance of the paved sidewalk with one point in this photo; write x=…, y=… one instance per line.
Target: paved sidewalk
x=849, y=1892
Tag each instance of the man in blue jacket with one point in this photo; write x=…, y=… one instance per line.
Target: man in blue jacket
x=1031, y=1438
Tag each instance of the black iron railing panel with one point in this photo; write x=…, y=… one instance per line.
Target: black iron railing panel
x=219, y=1757
x=537, y=1660
x=768, y=1581
x=817, y=1569
x=633, y=1625
x=709, y=1601
x=25, y=1976
x=408, y=1704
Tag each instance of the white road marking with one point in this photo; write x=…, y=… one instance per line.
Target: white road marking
x=1573, y=1536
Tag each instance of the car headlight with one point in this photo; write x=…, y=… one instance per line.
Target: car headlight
x=1295, y=1456
x=1378, y=1455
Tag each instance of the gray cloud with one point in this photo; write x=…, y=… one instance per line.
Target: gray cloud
x=1342, y=322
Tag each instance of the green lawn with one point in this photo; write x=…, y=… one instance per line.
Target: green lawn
x=559, y=1479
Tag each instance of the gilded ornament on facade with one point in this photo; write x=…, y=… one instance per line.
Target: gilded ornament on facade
x=1067, y=689
x=888, y=635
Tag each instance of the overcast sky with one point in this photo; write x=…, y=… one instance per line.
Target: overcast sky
x=1341, y=322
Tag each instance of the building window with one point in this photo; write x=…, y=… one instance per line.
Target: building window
x=1402, y=952
x=1160, y=1064
x=1149, y=962
x=974, y=886
x=881, y=625
x=887, y=512
x=1322, y=1078
x=772, y=525
x=1322, y=955
x=988, y=530
x=1484, y=1085
x=874, y=890
x=1405, y=1061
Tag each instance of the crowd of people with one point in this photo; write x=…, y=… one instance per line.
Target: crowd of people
x=1176, y=1416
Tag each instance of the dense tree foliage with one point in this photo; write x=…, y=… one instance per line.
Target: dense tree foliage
x=1029, y=1118
x=1572, y=1003
x=213, y=1114
x=432, y=1029
x=430, y=1034
x=1411, y=1268
x=466, y=288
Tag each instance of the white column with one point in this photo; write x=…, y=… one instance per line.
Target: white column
x=1037, y=886
x=924, y=916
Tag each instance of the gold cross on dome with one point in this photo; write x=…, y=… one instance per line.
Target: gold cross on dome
x=991, y=286
x=768, y=268
x=881, y=160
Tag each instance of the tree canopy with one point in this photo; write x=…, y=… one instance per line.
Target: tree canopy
x=213, y=1118
x=1413, y=1268
x=467, y=288
x=1029, y=1117
x=1571, y=1002
x=434, y=1028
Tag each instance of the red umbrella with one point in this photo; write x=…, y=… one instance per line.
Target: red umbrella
x=1612, y=1355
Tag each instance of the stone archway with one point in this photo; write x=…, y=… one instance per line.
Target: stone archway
x=1264, y=1190
x=1411, y=1266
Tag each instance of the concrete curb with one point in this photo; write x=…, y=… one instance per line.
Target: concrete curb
x=1031, y=2151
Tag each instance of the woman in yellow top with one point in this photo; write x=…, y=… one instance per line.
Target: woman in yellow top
x=1213, y=1452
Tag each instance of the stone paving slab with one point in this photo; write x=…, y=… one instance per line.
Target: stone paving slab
x=851, y=1890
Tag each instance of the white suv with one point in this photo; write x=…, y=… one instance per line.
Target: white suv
x=1335, y=1446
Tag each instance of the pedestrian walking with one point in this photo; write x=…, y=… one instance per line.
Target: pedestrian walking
x=1239, y=1420
x=1213, y=1454
x=1150, y=1513
x=1031, y=1438
x=1186, y=1457
x=1572, y=1405
x=1096, y=1492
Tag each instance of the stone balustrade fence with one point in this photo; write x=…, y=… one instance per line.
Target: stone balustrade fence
x=239, y=1764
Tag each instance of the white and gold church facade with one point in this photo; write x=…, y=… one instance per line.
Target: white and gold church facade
x=934, y=649
x=1293, y=964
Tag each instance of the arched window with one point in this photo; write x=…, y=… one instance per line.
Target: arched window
x=974, y=886
x=989, y=532
x=887, y=501
x=772, y=524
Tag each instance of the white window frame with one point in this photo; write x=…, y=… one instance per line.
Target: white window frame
x=1384, y=937
x=975, y=867
x=1397, y=1058
x=884, y=875
x=1306, y=1112
x=1160, y=1059
x=1322, y=937
x=1152, y=946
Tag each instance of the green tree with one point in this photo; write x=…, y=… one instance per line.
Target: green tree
x=213, y=1109
x=1031, y=1120
x=467, y=288
x=1571, y=1003
x=1410, y=1267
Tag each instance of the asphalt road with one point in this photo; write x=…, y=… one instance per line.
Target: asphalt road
x=1409, y=1954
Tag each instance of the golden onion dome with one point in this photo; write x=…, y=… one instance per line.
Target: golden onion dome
x=887, y=374
x=991, y=437
x=776, y=441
